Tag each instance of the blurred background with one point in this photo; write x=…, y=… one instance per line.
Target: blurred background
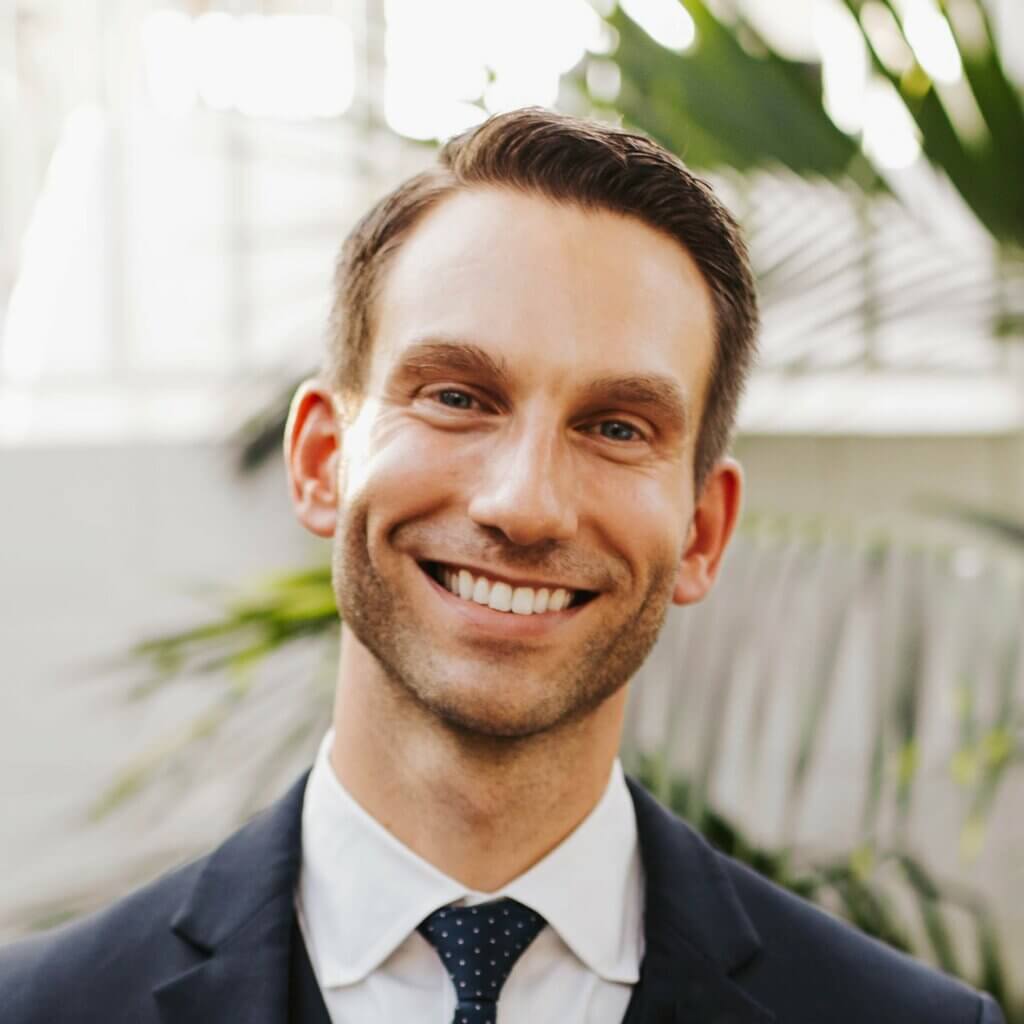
x=845, y=711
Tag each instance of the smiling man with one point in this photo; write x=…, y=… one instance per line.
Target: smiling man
x=518, y=445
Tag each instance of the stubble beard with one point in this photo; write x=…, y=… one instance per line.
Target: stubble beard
x=384, y=622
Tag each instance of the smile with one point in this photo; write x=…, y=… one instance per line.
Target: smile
x=501, y=596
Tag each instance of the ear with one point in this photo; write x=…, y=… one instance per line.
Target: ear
x=718, y=509
x=312, y=445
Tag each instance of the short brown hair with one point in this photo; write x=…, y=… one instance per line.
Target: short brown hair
x=588, y=164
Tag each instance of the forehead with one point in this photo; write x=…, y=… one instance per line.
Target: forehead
x=560, y=293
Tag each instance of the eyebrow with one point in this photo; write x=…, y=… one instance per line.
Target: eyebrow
x=441, y=354
x=659, y=393
x=655, y=391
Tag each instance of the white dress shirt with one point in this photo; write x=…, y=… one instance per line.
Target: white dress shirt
x=361, y=893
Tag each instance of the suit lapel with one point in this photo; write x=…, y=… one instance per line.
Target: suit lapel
x=696, y=932
x=305, y=1000
x=237, y=921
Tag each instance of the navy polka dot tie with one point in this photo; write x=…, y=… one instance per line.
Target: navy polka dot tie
x=479, y=946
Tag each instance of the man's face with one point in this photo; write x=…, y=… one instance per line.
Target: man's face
x=529, y=422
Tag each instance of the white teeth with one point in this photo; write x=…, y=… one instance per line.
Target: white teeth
x=522, y=600
x=501, y=596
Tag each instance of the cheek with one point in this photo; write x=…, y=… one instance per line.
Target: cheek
x=646, y=520
x=397, y=471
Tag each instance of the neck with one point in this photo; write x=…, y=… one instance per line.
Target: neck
x=482, y=809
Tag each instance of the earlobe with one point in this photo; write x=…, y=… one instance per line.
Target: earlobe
x=711, y=528
x=311, y=451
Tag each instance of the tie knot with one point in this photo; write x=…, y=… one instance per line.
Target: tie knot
x=479, y=946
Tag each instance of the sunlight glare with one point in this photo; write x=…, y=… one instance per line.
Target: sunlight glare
x=882, y=29
x=217, y=59
x=665, y=21
x=292, y=66
x=521, y=88
x=447, y=58
x=930, y=36
x=844, y=61
x=295, y=65
x=57, y=315
x=890, y=135
x=167, y=54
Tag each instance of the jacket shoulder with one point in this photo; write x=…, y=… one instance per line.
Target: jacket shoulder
x=110, y=958
x=813, y=966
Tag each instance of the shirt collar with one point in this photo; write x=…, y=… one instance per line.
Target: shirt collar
x=589, y=888
x=361, y=892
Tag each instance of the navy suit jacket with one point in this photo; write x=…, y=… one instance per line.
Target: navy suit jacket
x=216, y=941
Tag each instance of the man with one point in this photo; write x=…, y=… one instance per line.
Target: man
x=518, y=444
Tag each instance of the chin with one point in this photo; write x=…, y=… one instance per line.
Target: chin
x=476, y=717
x=483, y=707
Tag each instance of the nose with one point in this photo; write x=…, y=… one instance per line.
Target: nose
x=527, y=490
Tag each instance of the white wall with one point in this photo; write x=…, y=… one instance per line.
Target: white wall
x=100, y=547
x=881, y=478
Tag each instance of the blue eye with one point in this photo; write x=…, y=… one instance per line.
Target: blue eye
x=455, y=399
x=616, y=430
